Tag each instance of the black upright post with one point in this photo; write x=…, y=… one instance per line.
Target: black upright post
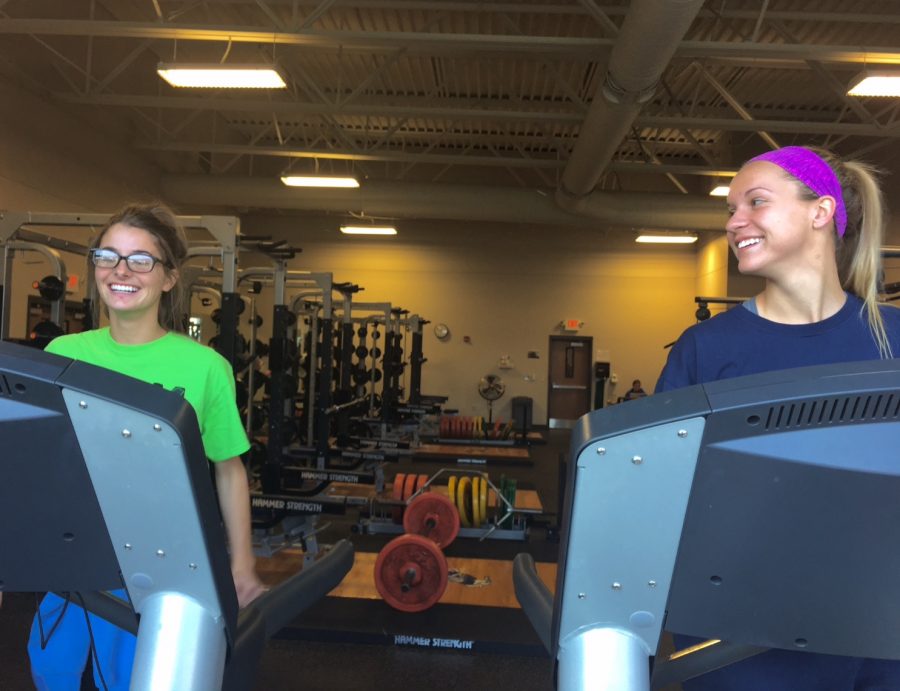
x=323, y=400
x=387, y=368
x=346, y=355
x=345, y=393
x=229, y=312
x=278, y=364
x=416, y=360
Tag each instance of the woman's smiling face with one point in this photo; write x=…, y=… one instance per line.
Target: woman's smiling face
x=770, y=224
x=126, y=292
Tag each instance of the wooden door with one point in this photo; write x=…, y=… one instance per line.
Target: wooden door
x=569, y=380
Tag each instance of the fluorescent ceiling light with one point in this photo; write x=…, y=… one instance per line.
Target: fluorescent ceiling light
x=318, y=181
x=664, y=238
x=368, y=230
x=872, y=83
x=719, y=191
x=221, y=76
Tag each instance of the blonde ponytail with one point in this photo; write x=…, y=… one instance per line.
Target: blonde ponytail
x=858, y=253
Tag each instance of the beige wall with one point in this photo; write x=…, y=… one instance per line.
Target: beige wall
x=51, y=160
x=712, y=269
x=712, y=266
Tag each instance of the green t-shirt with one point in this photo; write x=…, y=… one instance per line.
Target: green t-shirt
x=177, y=363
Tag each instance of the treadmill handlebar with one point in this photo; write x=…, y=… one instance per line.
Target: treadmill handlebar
x=277, y=607
x=534, y=597
x=283, y=603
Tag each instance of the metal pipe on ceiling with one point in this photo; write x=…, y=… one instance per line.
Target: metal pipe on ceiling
x=650, y=34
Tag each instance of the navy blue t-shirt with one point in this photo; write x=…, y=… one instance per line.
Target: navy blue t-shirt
x=739, y=342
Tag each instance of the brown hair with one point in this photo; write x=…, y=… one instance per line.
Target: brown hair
x=158, y=220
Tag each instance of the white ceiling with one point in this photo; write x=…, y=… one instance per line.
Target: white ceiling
x=470, y=106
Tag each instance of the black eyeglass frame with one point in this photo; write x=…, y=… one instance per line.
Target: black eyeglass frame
x=106, y=251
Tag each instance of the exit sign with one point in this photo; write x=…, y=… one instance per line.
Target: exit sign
x=573, y=324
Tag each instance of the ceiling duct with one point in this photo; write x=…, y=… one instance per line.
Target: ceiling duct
x=650, y=33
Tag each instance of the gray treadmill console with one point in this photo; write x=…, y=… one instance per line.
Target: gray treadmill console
x=122, y=463
x=760, y=510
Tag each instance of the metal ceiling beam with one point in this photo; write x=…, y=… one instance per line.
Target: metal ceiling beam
x=780, y=51
x=274, y=18
x=600, y=16
x=786, y=126
x=631, y=167
x=838, y=88
x=735, y=104
x=462, y=202
x=316, y=14
x=347, y=40
x=575, y=9
x=298, y=108
x=265, y=108
x=534, y=46
x=123, y=64
x=384, y=156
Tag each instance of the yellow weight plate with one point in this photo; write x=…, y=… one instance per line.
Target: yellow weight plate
x=482, y=499
x=451, y=488
x=476, y=512
x=464, y=500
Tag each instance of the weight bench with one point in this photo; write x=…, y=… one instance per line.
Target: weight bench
x=761, y=512
x=104, y=485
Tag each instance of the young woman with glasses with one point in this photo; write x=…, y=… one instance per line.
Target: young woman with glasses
x=136, y=262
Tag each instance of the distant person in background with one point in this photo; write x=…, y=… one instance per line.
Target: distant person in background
x=635, y=391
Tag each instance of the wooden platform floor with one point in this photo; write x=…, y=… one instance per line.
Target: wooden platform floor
x=493, y=586
x=473, y=450
x=527, y=500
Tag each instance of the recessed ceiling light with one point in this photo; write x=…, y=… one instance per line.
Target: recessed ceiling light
x=318, y=181
x=666, y=238
x=368, y=230
x=221, y=76
x=875, y=83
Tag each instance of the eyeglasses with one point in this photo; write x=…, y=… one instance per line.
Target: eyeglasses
x=140, y=263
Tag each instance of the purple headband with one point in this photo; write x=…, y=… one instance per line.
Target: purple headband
x=810, y=169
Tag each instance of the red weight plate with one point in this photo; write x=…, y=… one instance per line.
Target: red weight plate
x=411, y=573
x=397, y=493
x=409, y=486
x=421, y=481
x=434, y=516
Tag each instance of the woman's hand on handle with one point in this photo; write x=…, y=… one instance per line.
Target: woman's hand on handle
x=247, y=586
x=234, y=498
